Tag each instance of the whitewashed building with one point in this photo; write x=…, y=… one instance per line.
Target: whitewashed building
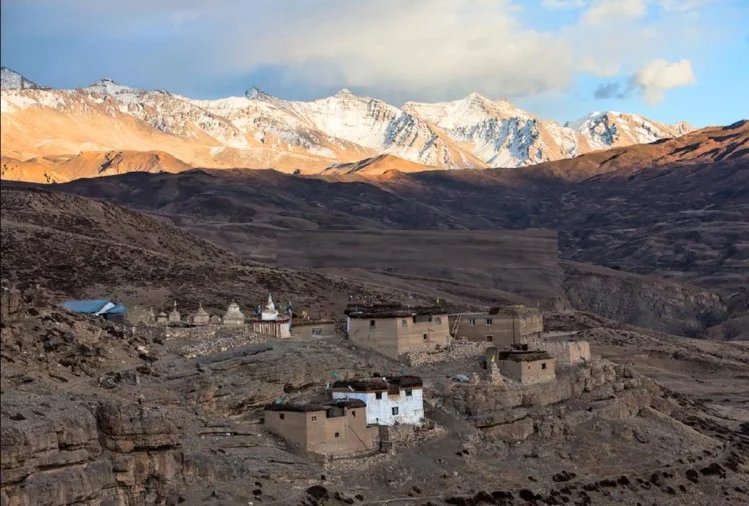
x=392, y=400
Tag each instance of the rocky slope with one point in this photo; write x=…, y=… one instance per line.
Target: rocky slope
x=258, y=130
x=77, y=247
x=93, y=413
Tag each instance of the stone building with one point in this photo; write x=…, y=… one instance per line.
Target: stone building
x=502, y=326
x=309, y=329
x=391, y=400
x=393, y=330
x=525, y=366
x=336, y=428
x=162, y=319
x=233, y=315
x=174, y=317
x=200, y=317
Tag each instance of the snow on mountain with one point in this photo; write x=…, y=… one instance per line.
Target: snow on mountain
x=12, y=80
x=610, y=129
x=258, y=129
x=168, y=113
x=503, y=135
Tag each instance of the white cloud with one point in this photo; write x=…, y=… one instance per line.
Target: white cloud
x=658, y=76
x=439, y=47
x=611, y=11
x=563, y=4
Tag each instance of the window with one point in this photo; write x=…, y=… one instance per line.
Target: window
x=281, y=416
x=409, y=393
x=314, y=418
x=317, y=332
x=371, y=323
x=353, y=413
x=404, y=323
x=395, y=411
x=337, y=434
x=437, y=320
x=489, y=339
x=472, y=321
x=543, y=366
x=378, y=395
x=489, y=321
x=426, y=336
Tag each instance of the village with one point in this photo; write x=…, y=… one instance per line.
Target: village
x=367, y=415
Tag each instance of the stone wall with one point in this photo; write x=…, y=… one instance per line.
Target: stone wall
x=566, y=353
x=458, y=350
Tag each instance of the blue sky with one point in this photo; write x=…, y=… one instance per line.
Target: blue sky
x=670, y=60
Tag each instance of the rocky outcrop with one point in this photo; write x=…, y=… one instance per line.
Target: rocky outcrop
x=62, y=452
x=514, y=412
x=641, y=300
x=51, y=454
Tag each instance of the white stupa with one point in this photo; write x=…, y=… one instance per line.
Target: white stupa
x=269, y=312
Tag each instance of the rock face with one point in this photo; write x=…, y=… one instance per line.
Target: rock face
x=54, y=456
x=512, y=413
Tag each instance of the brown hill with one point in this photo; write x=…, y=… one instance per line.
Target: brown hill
x=50, y=169
x=78, y=247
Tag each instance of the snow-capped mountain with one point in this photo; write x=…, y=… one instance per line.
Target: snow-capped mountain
x=259, y=130
x=503, y=135
x=12, y=80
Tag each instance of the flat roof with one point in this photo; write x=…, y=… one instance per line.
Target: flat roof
x=523, y=355
x=301, y=322
x=305, y=407
x=391, y=311
x=378, y=384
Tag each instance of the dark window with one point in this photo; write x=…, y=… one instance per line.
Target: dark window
x=489, y=321
x=437, y=320
x=337, y=434
x=426, y=336
x=404, y=323
x=543, y=366
x=489, y=339
x=378, y=395
x=316, y=332
x=281, y=415
x=395, y=411
x=314, y=418
x=409, y=393
x=371, y=323
x=353, y=413
x=472, y=321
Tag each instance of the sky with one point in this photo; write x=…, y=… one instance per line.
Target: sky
x=670, y=60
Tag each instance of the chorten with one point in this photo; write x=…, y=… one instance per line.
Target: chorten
x=174, y=316
x=269, y=312
x=201, y=316
x=233, y=315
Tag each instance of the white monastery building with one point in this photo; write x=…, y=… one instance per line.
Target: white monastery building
x=390, y=401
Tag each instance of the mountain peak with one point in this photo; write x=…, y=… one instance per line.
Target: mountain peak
x=344, y=92
x=12, y=80
x=108, y=86
x=255, y=93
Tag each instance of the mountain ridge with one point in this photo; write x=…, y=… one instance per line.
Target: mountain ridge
x=258, y=130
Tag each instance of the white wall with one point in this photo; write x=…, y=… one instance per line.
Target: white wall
x=380, y=411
